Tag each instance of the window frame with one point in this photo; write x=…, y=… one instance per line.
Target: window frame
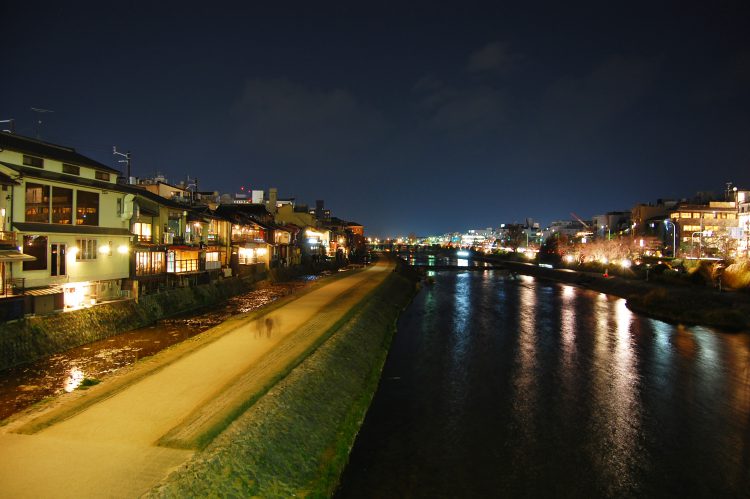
x=33, y=161
x=53, y=206
x=41, y=204
x=87, y=249
x=71, y=169
x=81, y=217
x=41, y=259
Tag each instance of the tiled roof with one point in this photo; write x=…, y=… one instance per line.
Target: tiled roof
x=6, y=180
x=48, y=150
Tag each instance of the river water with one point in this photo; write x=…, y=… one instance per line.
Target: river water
x=513, y=387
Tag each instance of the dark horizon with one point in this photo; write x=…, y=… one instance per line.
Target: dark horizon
x=416, y=119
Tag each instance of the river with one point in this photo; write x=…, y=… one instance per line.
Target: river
x=514, y=387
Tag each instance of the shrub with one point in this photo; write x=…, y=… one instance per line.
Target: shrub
x=703, y=274
x=737, y=275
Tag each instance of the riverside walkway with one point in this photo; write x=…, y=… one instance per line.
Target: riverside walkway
x=121, y=437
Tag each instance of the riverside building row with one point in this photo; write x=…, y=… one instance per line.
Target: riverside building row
x=702, y=227
x=73, y=233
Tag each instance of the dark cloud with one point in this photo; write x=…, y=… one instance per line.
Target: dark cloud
x=287, y=119
x=465, y=111
x=580, y=107
x=494, y=56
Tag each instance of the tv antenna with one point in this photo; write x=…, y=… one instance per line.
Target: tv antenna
x=125, y=155
x=12, y=127
x=38, y=124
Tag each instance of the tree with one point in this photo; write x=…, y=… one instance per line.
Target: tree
x=550, y=251
x=515, y=236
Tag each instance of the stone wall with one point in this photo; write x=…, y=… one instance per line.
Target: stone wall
x=28, y=339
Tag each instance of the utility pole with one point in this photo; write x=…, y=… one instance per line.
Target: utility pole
x=125, y=155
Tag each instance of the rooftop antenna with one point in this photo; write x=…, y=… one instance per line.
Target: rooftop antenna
x=12, y=124
x=125, y=155
x=38, y=123
x=728, y=192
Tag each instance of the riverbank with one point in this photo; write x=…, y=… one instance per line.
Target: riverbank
x=295, y=440
x=674, y=304
x=171, y=411
x=31, y=338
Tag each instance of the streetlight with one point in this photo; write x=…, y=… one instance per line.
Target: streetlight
x=674, y=236
x=700, y=241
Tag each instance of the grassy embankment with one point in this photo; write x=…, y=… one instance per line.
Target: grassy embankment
x=295, y=440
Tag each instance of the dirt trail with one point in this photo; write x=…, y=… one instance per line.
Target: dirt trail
x=109, y=448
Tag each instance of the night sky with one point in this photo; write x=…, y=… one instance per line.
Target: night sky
x=408, y=119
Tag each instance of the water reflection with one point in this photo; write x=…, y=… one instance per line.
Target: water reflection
x=560, y=392
x=525, y=371
x=457, y=350
x=73, y=380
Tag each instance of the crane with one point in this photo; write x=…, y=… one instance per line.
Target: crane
x=585, y=225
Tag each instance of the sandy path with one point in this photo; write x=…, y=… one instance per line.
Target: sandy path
x=108, y=449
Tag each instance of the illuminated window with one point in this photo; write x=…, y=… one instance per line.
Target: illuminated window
x=87, y=208
x=685, y=215
x=86, y=249
x=33, y=161
x=246, y=256
x=170, y=261
x=37, y=203
x=35, y=246
x=62, y=206
x=147, y=262
x=212, y=260
x=143, y=231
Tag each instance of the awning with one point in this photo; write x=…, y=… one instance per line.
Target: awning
x=6, y=180
x=39, y=228
x=15, y=256
x=147, y=207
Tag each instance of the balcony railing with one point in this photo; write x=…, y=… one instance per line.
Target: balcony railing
x=242, y=238
x=14, y=286
x=8, y=238
x=179, y=266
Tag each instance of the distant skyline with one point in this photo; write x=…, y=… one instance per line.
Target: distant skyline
x=408, y=119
